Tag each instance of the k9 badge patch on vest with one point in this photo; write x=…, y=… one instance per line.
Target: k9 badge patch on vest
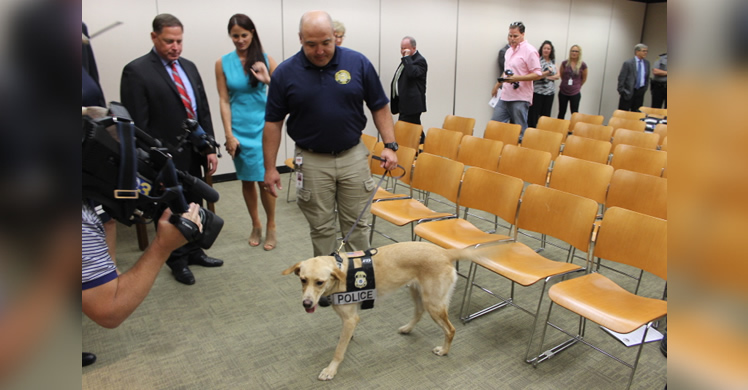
x=343, y=77
x=360, y=283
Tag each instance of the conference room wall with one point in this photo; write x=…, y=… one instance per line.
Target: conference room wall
x=459, y=38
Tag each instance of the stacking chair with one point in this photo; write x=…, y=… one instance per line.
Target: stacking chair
x=527, y=164
x=578, y=117
x=654, y=112
x=544, y=210
x=626, y=237
x=636, y=138
x=580, y=177
x=408, y=134
x=442, y=142
x=638, y=192
x=459, y=123
x=629, y=124
x=587, y=149
x=290, y=164
x=480, y=152
x=544, y=140
x=598, y=132
x=405, y=158
x=633, y=158
x=554, y=124
x=369, y=141
x=431, y=174
x=635, y=115
x=507, y=133
x=661, y=130
x=482, y=190
x=663, y=145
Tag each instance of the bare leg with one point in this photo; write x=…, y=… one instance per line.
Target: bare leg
x=268, y=203
x=415, y=293
x=250, y=199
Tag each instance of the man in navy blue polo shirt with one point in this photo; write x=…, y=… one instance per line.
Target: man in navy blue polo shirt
x=323, y=88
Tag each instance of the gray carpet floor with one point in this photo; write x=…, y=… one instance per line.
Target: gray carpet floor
x=242, y=326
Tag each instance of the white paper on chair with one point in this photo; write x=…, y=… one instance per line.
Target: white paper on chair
x=635, y=337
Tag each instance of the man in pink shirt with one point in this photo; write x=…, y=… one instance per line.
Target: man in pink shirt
x=521, y=68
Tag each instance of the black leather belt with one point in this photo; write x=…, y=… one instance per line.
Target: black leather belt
x=333, y=152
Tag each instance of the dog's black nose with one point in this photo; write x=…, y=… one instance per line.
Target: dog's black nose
x=307, y=303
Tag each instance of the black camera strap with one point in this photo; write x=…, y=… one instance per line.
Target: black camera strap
x=128, y=167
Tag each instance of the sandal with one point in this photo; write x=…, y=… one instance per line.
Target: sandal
x=255, y=237
x=270, y=241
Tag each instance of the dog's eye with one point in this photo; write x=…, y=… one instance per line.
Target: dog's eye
x=319, y=282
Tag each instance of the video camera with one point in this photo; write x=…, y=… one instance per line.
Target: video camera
x=133, y=176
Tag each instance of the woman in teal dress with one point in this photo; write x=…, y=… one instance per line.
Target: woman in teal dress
x=242, y=77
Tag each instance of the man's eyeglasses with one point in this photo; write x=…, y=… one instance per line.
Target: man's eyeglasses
x=339, y=36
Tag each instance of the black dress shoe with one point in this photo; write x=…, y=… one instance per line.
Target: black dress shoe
x=205, y=260
x=88, y=359
x=183, y=275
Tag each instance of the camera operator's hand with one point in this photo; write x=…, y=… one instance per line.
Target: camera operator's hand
x=168, y=237
x=261, y=72
x=212, y=164
x=232, y=145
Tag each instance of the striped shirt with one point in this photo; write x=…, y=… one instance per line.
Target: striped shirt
x=98, y=267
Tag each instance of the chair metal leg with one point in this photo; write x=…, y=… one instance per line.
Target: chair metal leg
x=549, y=353
x=288, y=190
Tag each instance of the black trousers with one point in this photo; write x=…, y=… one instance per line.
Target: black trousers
x=541, y=106
x=659, y=94
x=634, y=102
x=565, y=100
x=412, y=118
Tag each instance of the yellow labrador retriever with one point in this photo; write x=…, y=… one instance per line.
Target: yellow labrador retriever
x=427, y=268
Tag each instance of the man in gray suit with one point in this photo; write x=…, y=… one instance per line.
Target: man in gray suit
x=633, y=80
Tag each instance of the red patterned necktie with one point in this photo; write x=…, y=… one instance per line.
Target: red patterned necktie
x=182, y=91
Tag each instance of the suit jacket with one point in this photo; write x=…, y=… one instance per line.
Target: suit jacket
x=411, y=86
x=151, y=97
x=627, y=78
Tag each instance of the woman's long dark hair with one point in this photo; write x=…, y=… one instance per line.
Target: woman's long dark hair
x=552, y=56
x=254, y=51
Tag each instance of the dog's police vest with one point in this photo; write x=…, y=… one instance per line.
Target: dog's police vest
x=360, y=283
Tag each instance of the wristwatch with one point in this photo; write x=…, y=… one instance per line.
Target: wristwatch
x=392, y=145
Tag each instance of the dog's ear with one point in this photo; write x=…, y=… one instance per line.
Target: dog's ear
x=294, y=268
x=338, y=274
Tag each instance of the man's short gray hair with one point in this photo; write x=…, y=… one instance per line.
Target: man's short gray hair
x=411, y=40
x=640, y=47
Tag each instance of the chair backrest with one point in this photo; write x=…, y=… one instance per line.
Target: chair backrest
x=442, y=142
x=408, y=134
x=545, y=140
x=663, y=146
x=507, y=133
x=491, y=192
x=559, y=214
x=480, y=152
x=654, y=112
x=369, y=141
x=598, y=132
x=587, y=149
x=633, y=158
x=640, y=192
x=405, y=158
x=459, y=123
x=581, y=177
x=527, y=164
x=438, y=175
x=554, y=124
x=634, y=239
x=630, y=124
x=636, y=138
x=578, y=117
x=635, y=115
x=661, y=130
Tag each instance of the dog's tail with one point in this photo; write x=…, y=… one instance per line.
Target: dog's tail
x=470, y=253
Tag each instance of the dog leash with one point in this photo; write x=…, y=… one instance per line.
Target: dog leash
x=371, y=199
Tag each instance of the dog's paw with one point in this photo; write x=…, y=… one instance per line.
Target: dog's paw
x=327, y=374
x=440, y=351
x=405, y=329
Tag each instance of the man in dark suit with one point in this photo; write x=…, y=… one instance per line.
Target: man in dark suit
x=161, y=90
x=633, y=80
x=408, y=92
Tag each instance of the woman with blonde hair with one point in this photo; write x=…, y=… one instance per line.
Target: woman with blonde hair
x=573, y=75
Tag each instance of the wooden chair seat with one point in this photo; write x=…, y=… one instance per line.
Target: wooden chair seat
x=404, y=211
x=383, y=194
x=455, y=233
x=604, y=302
x=520, y=263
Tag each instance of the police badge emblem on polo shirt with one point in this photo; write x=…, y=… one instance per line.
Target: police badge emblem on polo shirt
x=343, y=77
x=360, y=279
